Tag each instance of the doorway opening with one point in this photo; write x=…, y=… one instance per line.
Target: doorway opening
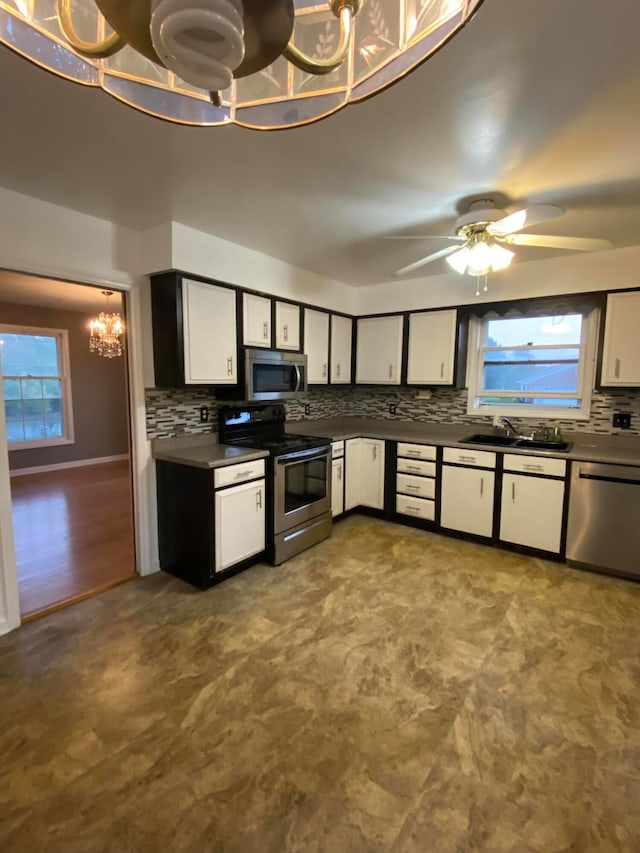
x=67, y=420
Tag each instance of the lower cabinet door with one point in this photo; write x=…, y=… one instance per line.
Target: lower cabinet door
x=239, y=523
x=467, y=500
x=337, y=486
x=531, y=512
x=372, y=472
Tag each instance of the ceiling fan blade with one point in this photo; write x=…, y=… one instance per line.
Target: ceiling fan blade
x=453, y=237
x=578, y=244
x=429, y=259
x=524, y=218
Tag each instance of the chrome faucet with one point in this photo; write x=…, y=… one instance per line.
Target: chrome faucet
x=509, y=426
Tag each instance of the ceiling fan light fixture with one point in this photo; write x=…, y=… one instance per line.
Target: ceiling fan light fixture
x=263, y=64
x=459, y=260
x=480, y=258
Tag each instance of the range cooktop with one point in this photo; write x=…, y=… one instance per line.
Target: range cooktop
x=286, y=443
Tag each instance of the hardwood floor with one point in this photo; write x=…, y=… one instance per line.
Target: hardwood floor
x=73, y=534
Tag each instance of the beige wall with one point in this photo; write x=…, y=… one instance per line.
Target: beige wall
x=98, y=390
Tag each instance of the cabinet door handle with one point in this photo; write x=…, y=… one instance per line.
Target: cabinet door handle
x=390, y=371
x=481, y=486
x=617, y=370
x=259, y=499
x=285, y=331
x=265, y=329
x=339, y=473
x=324, y=370
x=513, y=492
x=338, y=371
x=375, y=452
x=230, y=366
x=442, y=370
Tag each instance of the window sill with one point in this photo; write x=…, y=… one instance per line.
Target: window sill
x=34, y=445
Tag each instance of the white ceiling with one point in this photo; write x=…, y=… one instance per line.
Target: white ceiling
x=532, y=101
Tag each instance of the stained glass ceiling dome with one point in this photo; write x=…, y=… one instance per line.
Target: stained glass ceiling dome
x=382, y=40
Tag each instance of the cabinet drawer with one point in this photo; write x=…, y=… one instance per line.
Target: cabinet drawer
x=231, y=474
x=417, y=466
x=337, y=449
x=535, y=465
x=424, y=487
x=416, y=451
x=417, y=507
x=477, y=458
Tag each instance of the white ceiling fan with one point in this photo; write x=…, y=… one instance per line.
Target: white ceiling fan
x=485, y=231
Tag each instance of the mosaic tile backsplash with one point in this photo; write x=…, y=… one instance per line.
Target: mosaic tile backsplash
x=177, y=411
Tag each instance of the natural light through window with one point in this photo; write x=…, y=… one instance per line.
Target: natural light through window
x=35, y=387
x=538, y=366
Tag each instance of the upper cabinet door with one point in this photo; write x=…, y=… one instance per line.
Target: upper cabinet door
x=316, y=345
x=379, y=350
x=432, y=346
x=287, y=326
x=210, y=338
x=341, y=349
x=621, y=353
x=257, y=320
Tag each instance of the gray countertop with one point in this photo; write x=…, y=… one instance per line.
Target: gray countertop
x=586, y=447
x=203, y=451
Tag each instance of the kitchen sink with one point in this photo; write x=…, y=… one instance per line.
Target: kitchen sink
x=515, y=441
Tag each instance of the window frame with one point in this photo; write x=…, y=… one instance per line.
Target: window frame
x=586, y=371
x=64, y=365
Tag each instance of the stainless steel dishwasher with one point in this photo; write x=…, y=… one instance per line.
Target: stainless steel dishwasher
x=604, y=517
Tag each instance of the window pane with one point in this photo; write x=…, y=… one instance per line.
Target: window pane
x=31, y=389
x=51, y=388
x=32, y=408
x=53, y=427
x=531, y=377
x=549, y=355
x=15, y=431
x=53, y=407
x=11, y=389
x=34, y=430
x=519, y=331
x=30, y=355
x=13, y=410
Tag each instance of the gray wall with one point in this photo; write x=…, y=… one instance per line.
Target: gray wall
x=98, y=390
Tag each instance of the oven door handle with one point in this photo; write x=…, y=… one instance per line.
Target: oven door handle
x=303, y=456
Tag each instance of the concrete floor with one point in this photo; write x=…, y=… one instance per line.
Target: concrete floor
x=389, y=690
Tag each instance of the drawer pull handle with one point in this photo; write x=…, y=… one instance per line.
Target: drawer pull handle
x=241, y=475
x=467, y=459
x=414, y=468
x=529, y=467
x=412, y=508
x=413, y=488
x=413, y=452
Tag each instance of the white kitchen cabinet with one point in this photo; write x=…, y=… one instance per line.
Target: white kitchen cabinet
x=210, y=337
x=287, y=326
x=239, y=523
x=432, y=346
x=337, y=486
x=364, y=458
x=256, y=322
x=316, y=345
x=531, y=511
x=621, y=353
x=379, y=350
x=467, y=500
x=341, y=328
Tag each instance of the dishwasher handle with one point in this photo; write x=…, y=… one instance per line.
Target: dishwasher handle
x=608, y=473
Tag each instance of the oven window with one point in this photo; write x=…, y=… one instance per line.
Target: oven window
x=305, y=483
x=268, y=378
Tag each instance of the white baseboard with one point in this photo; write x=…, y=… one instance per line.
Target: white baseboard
x=79, y=463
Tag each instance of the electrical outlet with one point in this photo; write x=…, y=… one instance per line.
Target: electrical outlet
x=622, y=420
x=392, y=408
x=307, y=409
x=204, y=414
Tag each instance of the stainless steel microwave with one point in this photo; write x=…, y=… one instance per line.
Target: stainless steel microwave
x=274, y=375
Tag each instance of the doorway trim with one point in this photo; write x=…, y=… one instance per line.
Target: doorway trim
x=143, y=476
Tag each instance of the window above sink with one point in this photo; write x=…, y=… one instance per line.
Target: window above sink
x=532, y=364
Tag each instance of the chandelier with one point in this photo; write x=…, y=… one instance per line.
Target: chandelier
x=106, y=332
x=263, y=64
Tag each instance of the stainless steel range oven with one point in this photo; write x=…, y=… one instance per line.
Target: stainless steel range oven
x=299, y=481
